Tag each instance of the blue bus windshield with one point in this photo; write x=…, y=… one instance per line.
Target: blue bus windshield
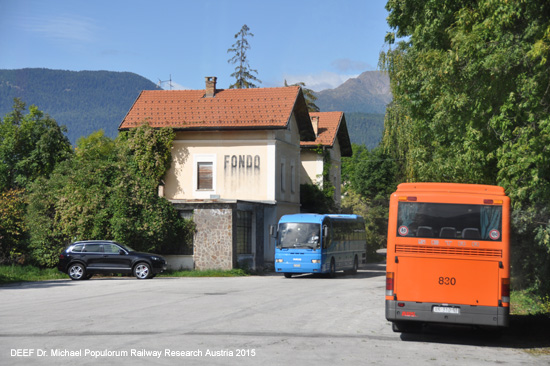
x=300, y=235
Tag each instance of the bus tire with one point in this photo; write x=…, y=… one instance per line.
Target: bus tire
x=406, y=327
x=395, y=327
x=355, y=265
x=332, y=271
x=288, y=275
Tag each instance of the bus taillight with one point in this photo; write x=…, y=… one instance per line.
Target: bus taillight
x=389, y=284
x=407, y=198
x=505, y=290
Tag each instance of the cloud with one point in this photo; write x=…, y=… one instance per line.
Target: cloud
x=347, y=65
x=62, y=27
x=321, y=81
x=174, y=86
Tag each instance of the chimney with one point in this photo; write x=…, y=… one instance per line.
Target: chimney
x=210, y=86
x=315, y=124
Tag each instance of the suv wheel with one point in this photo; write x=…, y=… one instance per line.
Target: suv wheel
x=77, y=271
x=142, y=271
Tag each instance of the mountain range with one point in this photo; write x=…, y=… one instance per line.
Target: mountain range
x=86, y=101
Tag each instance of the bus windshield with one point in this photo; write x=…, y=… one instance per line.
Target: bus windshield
x=450, y=221
x=299, y=235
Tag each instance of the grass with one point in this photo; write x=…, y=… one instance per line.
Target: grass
x=530, y=321
x=525, y=303
x=16, y=273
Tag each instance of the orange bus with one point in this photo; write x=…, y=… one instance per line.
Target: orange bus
x=448, y=256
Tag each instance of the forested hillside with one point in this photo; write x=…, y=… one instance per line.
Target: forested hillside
x=365, y=128
x=83, y=101
x=87, y=101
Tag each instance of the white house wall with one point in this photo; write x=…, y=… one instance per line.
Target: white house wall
x=259, y=165
x=313, y=165
x=336, y=172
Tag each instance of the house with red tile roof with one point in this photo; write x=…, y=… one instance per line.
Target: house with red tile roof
x=236, y=163
x=321, y=158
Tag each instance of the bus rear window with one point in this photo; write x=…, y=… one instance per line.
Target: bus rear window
x=450, y=221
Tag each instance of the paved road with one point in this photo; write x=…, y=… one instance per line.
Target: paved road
x=267, y=320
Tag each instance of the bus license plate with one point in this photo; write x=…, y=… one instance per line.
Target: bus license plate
x=446, y=310
x=297, y=265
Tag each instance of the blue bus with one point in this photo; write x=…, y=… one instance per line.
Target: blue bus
x=312, y=243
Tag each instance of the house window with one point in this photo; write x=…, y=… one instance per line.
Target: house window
x=244, y=232
x=204, y=175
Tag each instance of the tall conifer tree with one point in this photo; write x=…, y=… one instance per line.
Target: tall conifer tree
x=243, y=74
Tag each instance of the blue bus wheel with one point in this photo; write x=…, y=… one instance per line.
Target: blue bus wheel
x=332, y=272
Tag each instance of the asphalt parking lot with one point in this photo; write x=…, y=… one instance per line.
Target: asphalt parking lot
x=255, y=320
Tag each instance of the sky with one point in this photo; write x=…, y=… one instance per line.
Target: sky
x=319, y=42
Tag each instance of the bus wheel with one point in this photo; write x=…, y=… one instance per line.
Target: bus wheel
x=395, y=327
x=406, y=327
x=332, y=272
x=288, y=275
x=355, y=266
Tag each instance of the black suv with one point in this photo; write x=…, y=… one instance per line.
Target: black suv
x=82, y=259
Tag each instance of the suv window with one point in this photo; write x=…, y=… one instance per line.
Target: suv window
x=111, y=248
x=93, y=248
x=77, y=248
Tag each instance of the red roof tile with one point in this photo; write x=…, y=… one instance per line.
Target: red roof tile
x=229, y=108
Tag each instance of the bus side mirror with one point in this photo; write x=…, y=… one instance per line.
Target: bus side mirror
x=325, y=231
x=272, y=231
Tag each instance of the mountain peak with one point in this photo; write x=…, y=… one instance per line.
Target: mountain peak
x=367, y=93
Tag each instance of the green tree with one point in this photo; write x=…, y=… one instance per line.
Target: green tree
x=46, y=235
x=374, y=174
x=348, y=163
x=243, y=74
x=12, y=226
x=73, y=203
x=139, y=216
x=369, y=178
x=375, y=213
x=471, y=104
x=30, y=146
x=109, y=190
x=314, y=200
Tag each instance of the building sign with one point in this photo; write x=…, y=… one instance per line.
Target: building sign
x=242, y=162
x=242, y=175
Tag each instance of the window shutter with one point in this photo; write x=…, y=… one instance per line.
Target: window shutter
x=204, y=176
